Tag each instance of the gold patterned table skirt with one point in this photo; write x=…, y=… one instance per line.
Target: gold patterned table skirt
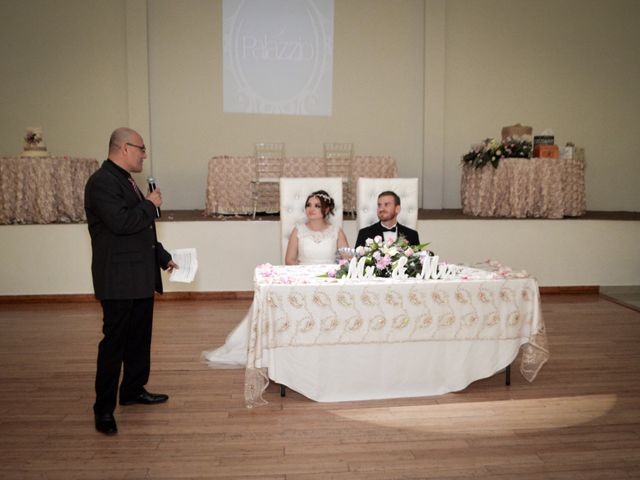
x=344, y=340
x=229, y=180
x=43, y=190
x=520, y=188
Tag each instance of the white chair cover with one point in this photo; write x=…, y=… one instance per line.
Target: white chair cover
x=367, y=201
x=294, y=192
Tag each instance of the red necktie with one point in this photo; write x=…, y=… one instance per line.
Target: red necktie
x=135, y=187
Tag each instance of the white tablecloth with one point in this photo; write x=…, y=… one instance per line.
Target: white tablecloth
x=338, y=340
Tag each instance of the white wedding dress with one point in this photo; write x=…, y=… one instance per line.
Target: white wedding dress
x=314, y=248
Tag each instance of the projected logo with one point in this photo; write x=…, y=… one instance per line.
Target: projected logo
x=278, y=56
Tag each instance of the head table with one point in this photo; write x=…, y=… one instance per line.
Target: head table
x=339, y=340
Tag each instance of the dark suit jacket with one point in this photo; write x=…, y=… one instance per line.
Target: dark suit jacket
x=126, y=256
x=376, y=229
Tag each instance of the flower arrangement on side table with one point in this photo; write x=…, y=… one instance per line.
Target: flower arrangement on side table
x=492, y=151
x=384, y=257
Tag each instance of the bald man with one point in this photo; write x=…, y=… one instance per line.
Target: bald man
x=125, y=266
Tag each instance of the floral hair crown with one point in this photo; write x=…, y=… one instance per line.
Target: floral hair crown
x=324, y=196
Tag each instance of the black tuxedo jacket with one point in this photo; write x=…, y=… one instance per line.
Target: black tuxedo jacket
x=126, y=256
x=376, y=229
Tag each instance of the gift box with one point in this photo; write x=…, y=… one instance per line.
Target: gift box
x=543, y=140
x=546, y=151
x=517, y=132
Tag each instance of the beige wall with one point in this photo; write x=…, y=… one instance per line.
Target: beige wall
x=228, y=255
x=417, y=79
x=64, y=68
x=572, y=66
x=377, y=93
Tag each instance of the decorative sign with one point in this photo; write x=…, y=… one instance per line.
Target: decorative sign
x=431, y=269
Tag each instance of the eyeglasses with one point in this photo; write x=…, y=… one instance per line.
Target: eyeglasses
x=142, y=148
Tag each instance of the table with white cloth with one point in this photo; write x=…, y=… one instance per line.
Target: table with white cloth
x=525, y=187
x=359, y=339
x=229, y=180
x=43, y=189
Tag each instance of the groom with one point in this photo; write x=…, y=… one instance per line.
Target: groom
x=388, y=226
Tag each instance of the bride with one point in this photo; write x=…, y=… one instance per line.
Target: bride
x=314, y=242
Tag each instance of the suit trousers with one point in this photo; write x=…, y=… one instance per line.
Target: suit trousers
x=127, y=342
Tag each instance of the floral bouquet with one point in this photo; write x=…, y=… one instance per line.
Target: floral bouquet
x=492, y=151
x=384, y=257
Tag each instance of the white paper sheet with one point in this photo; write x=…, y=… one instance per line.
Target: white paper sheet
x=187, y=261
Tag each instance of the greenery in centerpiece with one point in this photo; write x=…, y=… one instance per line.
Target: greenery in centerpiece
x=491, y=151
x=384, y=257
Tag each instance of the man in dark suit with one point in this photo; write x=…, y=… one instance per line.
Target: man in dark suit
x=388, y=226
x=125, y=266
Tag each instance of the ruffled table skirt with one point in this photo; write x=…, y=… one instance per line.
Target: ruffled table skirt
x=44, y=189
x=229, y=181
x=521, y=188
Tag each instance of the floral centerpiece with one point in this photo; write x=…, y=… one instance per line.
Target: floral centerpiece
x=384, y=257
x=492, y=151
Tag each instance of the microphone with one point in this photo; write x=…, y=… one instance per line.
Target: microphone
x=152, y=186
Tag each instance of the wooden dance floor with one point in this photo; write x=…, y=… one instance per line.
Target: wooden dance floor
x=580, y=419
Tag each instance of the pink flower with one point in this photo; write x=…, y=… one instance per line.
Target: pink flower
x=383, y=262
x=343, y=261
x=408, y=252
x=332, y=273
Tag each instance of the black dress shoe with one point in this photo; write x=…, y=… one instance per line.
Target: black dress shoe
x=145, y=398
x=106, y=423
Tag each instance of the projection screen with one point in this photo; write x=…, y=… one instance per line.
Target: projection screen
x=278, y=56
